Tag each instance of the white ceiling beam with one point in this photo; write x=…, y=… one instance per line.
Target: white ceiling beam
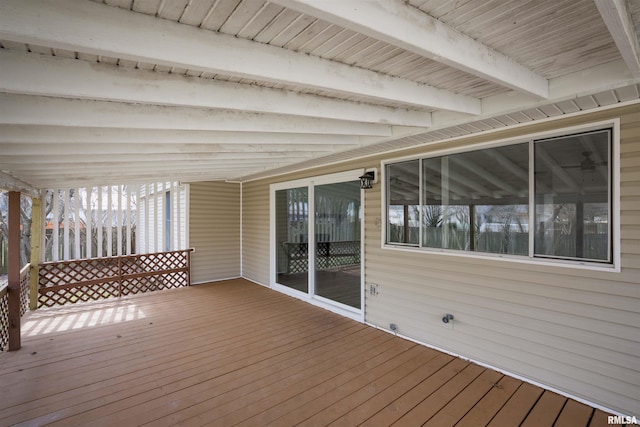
x=98, y=29
x=116, y=137
x=9, y=182
x=51, y=178
x=51, y=149
x=69, y=180
x=44, y=110
x=617, y=17
x=58, y=181
x=35, y=74
x=71, y=159
x=396, y=23
x=131, y=168
x=609, y=76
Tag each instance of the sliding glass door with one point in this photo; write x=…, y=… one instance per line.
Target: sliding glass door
x=292, y=238
x=337, y=231
x=316, y=229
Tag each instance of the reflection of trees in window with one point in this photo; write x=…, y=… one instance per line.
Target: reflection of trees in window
x=572, y=181
x=502, y=229
x=403, y=199
x=471, y=205
x=479, y=200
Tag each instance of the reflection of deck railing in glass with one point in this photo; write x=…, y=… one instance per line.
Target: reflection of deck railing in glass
x=329, y=255
x=558, y=242
x=67, y=282
x=4, y=304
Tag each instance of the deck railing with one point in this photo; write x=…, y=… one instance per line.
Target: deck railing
x=4, y=305
x=329, y=255
x=4, y=317
x=68, y=282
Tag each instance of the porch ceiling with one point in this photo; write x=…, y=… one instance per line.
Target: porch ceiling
x=126, y=91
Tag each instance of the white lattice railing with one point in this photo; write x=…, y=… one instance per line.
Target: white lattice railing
x=4, y=304
x=68, y=282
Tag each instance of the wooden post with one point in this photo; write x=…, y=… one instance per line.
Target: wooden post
x=13, y=290
x=36, y=239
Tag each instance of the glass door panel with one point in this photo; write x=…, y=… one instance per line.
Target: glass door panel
x=337, y=242
x=292, y=238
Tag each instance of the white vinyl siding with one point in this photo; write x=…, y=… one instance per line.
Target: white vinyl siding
x=574, y=330
x=214, y=231
x=255, y=231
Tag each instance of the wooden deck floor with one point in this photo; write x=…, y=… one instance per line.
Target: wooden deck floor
x=235, y=353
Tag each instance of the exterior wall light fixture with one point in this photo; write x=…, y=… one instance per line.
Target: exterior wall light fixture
x=367, y=180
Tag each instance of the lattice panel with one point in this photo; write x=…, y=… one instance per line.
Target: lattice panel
x=328, y=255
x=297, y=257
x=147, y=263
x=155, y=283
x=68, y=282
x=50, y=297
x=24, y=291
x=4, y=320
x=62, y=273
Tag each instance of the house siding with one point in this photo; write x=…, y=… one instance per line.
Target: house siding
x=214, y=231
x=574, y=330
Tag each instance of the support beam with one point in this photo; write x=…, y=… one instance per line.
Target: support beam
x=162, y=165
x=610, y=76
x=222, y=151
x=44, y=110
x=37, y=226
x=35, y=74
x=396, y=23
x=66, y=160
x=11, y=183
x=98, y=29
x=204, y=174
x=13, y=265
x=617, y=17
x=117, y=137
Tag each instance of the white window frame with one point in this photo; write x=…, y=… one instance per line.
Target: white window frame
x=614, y=266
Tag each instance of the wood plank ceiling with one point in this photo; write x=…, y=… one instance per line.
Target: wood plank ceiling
x=126, y=91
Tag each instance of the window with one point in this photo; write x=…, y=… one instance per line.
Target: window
x=546, y=198
x=471, y=204
x=403, y=204
x=573, y=194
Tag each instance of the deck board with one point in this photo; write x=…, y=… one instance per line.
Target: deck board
x=235, y=353
x=487, y=407
x=546, y=411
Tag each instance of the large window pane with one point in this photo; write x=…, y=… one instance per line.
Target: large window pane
x=337, y=225
x=403, y=215
x=477, y=201
x=292, y=238
x=572, y=189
